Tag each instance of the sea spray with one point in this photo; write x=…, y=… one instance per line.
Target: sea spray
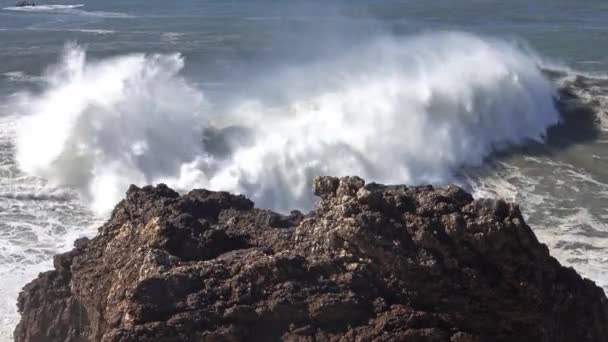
x=101, y=126
x=406, y=110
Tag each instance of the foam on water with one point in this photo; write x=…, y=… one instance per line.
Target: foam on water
x=42, y=8
x=75, y=9
x=36, y=222
x=20, y=76
x=94, y=31
x=591, y=90
x=410, y=110
x=563, y=205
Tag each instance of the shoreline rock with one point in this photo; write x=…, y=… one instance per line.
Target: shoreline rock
x=370, y=263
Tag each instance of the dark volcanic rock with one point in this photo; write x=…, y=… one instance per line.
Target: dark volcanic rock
x=371, y=263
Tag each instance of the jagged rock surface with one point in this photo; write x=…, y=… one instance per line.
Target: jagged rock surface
x=370, y=263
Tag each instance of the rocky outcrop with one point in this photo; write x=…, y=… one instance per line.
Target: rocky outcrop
x=370, y=263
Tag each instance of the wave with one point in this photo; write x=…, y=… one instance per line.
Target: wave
x=20, y=76
x=66, y=9
x=41, y=8
x=94, y=31
x=588, y=90
x=406, y=110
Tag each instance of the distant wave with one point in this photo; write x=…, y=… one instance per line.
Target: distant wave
x=393, y=110
x=20, y=76
x=171, y=36
x=42, y=8
x=590, y=90
x=94, y=31
x=61, y=197
x=67, y=9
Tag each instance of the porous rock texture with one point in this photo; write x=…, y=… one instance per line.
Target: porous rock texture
x=370, y=263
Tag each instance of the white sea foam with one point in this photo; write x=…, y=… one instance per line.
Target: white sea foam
x=20, y=76
x=93, y=31
x=557, y=204
x=42, y=8
x=36, y=221
x=171, y=37
x=66, y=9
x=409, y=110
x=592, y=91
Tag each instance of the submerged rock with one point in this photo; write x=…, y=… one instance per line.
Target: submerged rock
x=370, y=263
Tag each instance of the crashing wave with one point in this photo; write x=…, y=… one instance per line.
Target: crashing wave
x=394, y=110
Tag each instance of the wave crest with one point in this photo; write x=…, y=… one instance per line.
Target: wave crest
x=65, y=9
x=395, y=110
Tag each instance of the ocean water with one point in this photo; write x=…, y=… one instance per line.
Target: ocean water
x=505, y=98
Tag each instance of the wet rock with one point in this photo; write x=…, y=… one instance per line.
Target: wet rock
x=370, y=263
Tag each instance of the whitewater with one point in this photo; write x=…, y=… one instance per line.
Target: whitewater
x=75, y=10
x=192, y=99
x=401, y=111
x=393, y=110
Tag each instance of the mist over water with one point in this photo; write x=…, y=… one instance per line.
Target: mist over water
x=408, y=110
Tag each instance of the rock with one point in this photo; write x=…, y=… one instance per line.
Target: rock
x=325, y=186
x=370, y=263
x=25, y=3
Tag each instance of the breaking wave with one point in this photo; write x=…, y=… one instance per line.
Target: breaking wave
x=66, y=9
x=42, y=8
x=394, y=110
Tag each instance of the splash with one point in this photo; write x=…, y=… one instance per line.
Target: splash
x=407, y=110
